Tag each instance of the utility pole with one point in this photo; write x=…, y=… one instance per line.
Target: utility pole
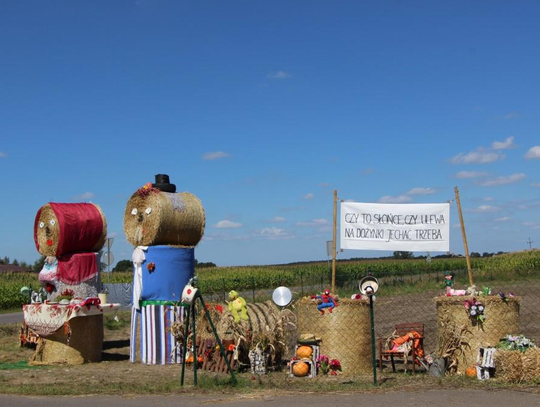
x=530, y=243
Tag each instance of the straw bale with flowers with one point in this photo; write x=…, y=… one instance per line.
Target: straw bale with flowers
x=483, y=320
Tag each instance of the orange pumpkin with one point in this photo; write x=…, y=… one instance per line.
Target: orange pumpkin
x=471, y=371
x=300, y=369
x=304, y=352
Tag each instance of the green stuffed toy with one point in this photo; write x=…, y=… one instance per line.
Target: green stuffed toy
x=237, y=305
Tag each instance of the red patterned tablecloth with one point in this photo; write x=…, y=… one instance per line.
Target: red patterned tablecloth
x=46, y=319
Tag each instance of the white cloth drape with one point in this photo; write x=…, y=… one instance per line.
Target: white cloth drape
x=138, y=259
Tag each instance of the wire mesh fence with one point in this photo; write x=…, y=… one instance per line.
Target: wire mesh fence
x=344, y=335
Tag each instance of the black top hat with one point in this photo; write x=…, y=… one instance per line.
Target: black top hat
x=162, y=183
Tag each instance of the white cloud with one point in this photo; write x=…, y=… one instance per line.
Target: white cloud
x=509, y=179
x=503, y=145
x=309, y=196
x=368, y=171
x=477, y=157
x=274, y=233
x=323, y=184
x=529, y=205
x=279, y=75
x=313, y=223
x=532, y=225
x=511, y=115
x=485, y=209
x=215, y=155
x=470, y=174
x=487, y=199
x=503, y=219
x=3, y=155
x=112, y=235
x=227, y=224
x=84, y=197
x=533, y=153
x=277, y=219
x=395, y=199
x=225, y=237
x=535, y=184
x=421, y=191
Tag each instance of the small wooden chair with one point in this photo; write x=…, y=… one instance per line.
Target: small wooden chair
x=401, y=330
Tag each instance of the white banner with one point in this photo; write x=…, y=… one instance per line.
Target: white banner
x=395, y=227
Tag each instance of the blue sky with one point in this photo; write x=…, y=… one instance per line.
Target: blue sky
x=263, y=108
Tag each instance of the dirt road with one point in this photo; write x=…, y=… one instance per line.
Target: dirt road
x=432, y=398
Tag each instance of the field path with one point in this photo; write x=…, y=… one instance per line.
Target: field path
x=432, y=398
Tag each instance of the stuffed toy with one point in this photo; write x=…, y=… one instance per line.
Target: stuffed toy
x=237, y=307
x=327, y=302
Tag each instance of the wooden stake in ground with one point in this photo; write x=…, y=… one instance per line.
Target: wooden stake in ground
x=334, y=245
x=464, y=237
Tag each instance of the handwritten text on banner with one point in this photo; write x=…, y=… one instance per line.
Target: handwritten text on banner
x=395, y=227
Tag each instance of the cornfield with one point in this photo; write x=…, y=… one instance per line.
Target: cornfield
x=506, y=267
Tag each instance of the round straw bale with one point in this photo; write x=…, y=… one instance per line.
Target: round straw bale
x=345, y=333
x=501, y=319
x=61, y=228
x=84, y=343
x=163, y=218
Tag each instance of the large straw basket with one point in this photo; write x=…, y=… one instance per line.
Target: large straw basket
x=501, y=319
x=83, y=345
x=345, y=333
x=61, y=228
x=163, y=218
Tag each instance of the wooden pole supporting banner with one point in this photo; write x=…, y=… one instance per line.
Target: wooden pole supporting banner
x=469, y=270
x=334, y=244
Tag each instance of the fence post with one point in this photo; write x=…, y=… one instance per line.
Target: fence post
x=224, y=291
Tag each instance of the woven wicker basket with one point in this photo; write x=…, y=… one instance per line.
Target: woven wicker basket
x=345, y=333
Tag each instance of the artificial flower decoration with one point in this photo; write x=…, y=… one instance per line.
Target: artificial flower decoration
x=475, y=309
x=151, y=267
x=328, y=366
x=516, y=342
x=146, y=190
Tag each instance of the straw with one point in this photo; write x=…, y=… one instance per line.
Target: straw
x=174, y=219
x=46, y=215
x=345, y=333
x=81, y=343
x=502, y=318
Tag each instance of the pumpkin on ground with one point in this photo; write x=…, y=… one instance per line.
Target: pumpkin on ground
x=304, y=352
x=471, y=371
x=300, y=369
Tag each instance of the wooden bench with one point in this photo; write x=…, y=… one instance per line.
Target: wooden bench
x=401, y=330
